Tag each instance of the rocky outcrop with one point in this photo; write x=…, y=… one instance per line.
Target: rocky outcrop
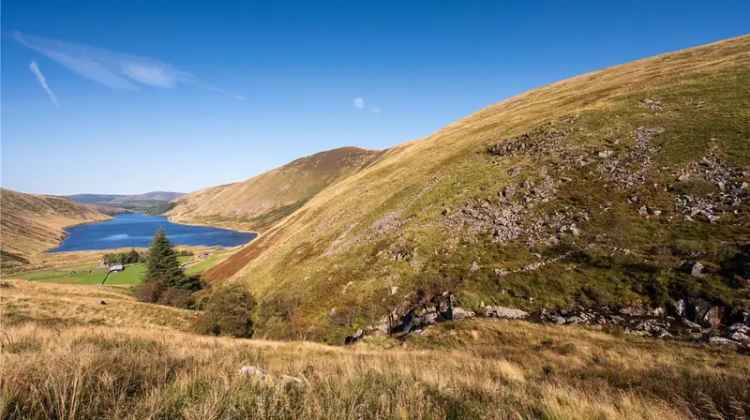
x=536, y=142
x=685, y=319
x=690, y=319
x=502, y=312
x=631, y=168
x=509, y=216
x=421, y=311
x=709, y=188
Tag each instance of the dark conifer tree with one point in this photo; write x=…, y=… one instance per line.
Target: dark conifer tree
x=163, y=266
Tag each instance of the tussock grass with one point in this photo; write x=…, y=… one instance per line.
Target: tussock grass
x=60, y=306
x=125, y=360
x=506, y=371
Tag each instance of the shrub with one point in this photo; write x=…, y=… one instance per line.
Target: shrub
x=228, y=312
x=131, y=257
x=149, y=291
x=179, y=298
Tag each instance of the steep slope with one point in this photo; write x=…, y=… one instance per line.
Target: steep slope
x=260, y=201
x=600, y=190
x=32, y=223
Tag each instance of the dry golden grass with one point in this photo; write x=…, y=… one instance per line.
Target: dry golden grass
x=300, y=269
x=257, y=203
x=31, y=224
x=476, y=369
x=60, y=306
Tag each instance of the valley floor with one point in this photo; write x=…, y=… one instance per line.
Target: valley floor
x=94, y=352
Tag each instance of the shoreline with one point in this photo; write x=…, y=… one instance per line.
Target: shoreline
x=204, y=224
x=51, y=251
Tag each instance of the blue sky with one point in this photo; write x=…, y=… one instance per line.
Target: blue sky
x=132, y=96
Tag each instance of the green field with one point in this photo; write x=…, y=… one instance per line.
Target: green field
x=91, y=274
x=132, y=275
x=207, y=263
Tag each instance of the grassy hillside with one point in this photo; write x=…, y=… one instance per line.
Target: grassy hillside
x=155, y=202
x=32, y=224
x=80, y=352
x=596, y=190
x=261, y=201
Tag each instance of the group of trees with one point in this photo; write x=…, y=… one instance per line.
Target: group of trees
x=227, y=310
x=131, y=257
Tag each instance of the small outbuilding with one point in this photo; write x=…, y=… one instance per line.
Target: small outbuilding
x=116, y=268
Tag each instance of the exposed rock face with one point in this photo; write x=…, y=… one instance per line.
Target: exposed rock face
x=355, y=337
x=631, y=169
x=712, y=318
x=506, y=220
x=689, y=318
x=535, y=142
x=504, y=313
x=461, y=313
x=418, y=313
x=730, y=189
x=722, y=341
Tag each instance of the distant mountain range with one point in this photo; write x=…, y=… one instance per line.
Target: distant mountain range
x=154, y=202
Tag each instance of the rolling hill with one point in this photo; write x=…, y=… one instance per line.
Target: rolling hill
x=32, y=224
x=155, y=202
x=600, y=191
x=261, y=201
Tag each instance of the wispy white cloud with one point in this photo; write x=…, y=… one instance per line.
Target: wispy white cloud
x=360, y=103
x=113, y=69
x=43, y=82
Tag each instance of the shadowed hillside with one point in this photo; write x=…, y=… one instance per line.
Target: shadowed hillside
x=32, y=224
x=599, y=191
x=261, y=201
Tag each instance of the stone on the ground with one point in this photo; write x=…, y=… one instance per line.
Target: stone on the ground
x=721, y=341
x=504, y=313
x=253, y=371
x=697, y=270
x=461, y=313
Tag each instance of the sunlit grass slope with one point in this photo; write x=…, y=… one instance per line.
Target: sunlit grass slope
x=585, y=173
x=31, y=224
x=259, y=202
x=66, y=355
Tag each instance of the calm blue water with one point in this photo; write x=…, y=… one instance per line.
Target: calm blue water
x=137, y=230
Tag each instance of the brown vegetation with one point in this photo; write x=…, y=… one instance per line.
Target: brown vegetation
x=32, y=224
x=489, y=371
x=58, y=306
x=259, y=202
x=615, y=142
